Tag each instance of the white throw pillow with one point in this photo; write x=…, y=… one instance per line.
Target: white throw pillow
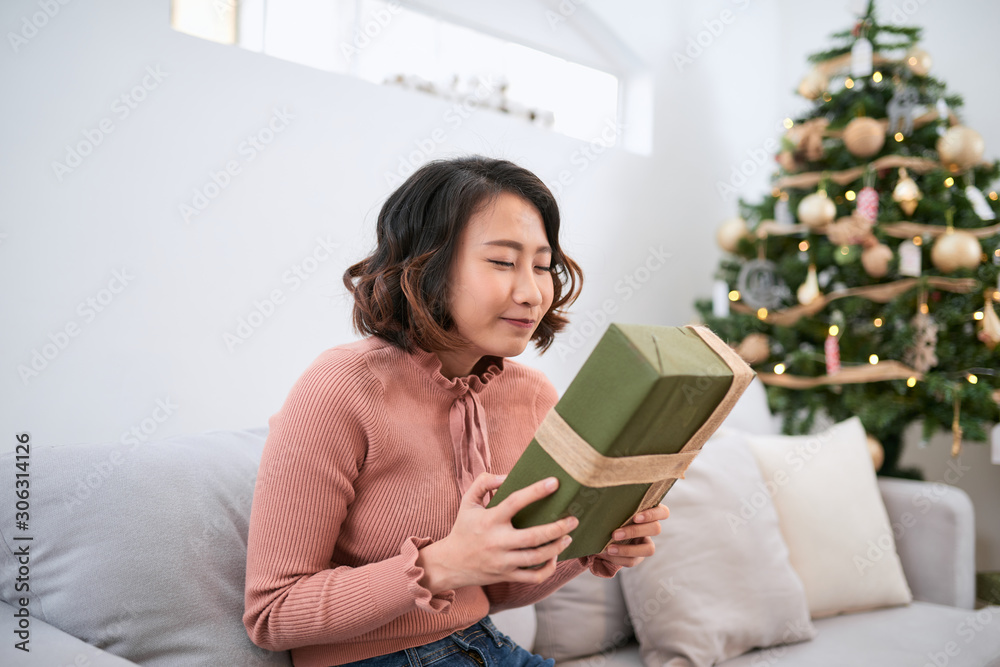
x=585, y=616
x=833, y=518
x=718, y=585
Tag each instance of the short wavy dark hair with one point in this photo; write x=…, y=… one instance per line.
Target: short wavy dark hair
x=401, y=290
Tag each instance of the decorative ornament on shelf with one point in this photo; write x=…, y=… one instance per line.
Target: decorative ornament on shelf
x=918, y=60
x=809, y=290
x=875, y=260
x=760, y=284
x=730, y=233
x=817, y=210
x=906, y=193
x=877, y=452
x=960, y=147
x=864, y=136
x=901, y=110
x=814, y=84
x=755, y=348
x=989, y=327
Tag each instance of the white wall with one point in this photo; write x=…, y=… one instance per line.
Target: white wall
x=161, y=337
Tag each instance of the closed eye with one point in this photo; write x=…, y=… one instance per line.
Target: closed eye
x=511, y=265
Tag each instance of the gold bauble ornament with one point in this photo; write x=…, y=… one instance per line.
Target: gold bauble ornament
x=875, y=260
x=876, y=451
x=918, y=60
x=864, y=137
x=989, y=331
x=850, y=230
x=956, y=249
x=816, y=210
x=809, y=290
x=960, y=147
x=906, y=193
x=730, y=233
x=755, y=348
x=814, y=84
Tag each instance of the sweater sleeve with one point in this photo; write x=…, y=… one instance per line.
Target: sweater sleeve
x=315, y=447
x=506, y=595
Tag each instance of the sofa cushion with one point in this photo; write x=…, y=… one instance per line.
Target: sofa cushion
x=833, y=518
x=919, y=635
x=585, y=616
x=719, y=583
x=141, y=549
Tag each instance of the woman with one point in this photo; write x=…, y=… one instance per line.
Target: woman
x=369, y=540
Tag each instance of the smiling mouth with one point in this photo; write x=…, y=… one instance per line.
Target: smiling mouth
x=523, y=323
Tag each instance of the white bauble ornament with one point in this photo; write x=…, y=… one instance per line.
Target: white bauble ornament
x=906, y=193
x=960, y=147
x=809, y=290
x=918, y=60
x=955, y=250
x=730, y=233
x=864, y=137
x=875, y=260
x=816, y=210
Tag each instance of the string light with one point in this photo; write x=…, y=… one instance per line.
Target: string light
x=972, y=379
x=978, y=315
x=996, y=295
x=850, y=195
x=827, y=97
x=911, y=381
x=873, y=359
x=788, y=123
x=993, y=195
x=845, y=250
x=779, y=369
x=898, y=136
x=762, y=313
x=876, y=77
x=917, y=240
x=803, y=245
x=734, y=295
x=849, y=83
x=877, y=322
x=948, y=182
x=834, y=329
x=924, y=309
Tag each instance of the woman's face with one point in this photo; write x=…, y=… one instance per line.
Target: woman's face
x=500, y=282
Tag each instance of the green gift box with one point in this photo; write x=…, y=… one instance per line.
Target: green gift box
x=633, y=418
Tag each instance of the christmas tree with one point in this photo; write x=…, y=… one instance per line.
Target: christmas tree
x=865, y=283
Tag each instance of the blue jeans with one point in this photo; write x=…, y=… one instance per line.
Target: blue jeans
x=479, y=645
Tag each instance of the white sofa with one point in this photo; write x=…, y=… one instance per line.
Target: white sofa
x=137, y=557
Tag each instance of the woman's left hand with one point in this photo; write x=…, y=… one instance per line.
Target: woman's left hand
x=632, y=543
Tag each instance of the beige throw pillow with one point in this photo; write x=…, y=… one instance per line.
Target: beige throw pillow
x=716, y=587
x=833, y=519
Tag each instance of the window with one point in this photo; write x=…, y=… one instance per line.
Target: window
x=520, y=57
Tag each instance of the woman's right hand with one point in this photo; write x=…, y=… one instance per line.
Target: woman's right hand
x=483, y=546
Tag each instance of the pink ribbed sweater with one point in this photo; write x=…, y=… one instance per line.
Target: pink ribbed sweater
x=359, y=472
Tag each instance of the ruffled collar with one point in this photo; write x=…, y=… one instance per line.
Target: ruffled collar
x=430, y=363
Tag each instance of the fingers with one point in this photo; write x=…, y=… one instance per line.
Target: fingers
x=521, y=498
x=524, y=558
x=484, y=482
x=523, y=538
